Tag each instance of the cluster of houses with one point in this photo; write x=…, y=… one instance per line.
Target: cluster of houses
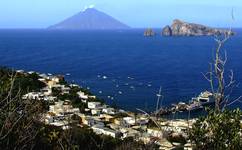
x=101, y=118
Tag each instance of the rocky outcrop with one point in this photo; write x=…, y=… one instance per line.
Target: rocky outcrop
x=180, y=28
x=167, y=31
x=149, y=32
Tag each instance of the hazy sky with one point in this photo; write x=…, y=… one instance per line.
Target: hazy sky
x=136, y=13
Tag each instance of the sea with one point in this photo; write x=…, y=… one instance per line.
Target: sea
x=123, y=67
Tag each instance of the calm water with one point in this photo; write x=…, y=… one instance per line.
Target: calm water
x=134, y=66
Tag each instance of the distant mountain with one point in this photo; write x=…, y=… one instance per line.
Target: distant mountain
x=90, y=19
x=181, y=28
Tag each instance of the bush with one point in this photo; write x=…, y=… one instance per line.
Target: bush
x=220, y=131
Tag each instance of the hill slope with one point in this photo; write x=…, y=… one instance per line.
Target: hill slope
x=90, y=19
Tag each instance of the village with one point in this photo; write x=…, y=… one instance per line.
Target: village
x=102, y=118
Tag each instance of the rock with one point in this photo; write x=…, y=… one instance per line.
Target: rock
x=167, y=31
x=181, y=28
x=149, y=32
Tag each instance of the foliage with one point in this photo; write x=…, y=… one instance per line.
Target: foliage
x=86, y=91
x=17, y=116
x=75, y=100
x=84, y=138
x=130, y=144
x=96, y=100
x=56, y=91
x=177, y=139
x=23, y=83
x=218, y=130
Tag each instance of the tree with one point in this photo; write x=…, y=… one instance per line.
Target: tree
x=221, y=128
x=17, y=116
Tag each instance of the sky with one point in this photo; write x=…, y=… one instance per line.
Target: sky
x=135, y=13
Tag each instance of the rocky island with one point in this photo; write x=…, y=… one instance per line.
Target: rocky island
x=181, y=28
x=149, y=32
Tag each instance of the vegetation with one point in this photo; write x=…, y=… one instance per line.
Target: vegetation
x=220, y=131
x=20, y=127
x=22, y=83
x=52, y=137
x=221, y=128
x=17, y=116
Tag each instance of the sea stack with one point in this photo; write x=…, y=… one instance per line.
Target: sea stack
x=149, y=32
x=181, y=28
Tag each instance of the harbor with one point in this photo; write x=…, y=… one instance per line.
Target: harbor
x=204, y=100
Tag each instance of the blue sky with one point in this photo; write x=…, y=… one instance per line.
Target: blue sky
x=136, y=13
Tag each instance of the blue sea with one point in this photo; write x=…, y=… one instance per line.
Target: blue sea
x=122, y=67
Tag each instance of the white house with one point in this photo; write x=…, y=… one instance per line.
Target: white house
x=65, y=90
x=97, y=129
x=43, y=75
x=106, y=131
x=74, y=85
x=129, y=121
x=111, y=133
x=96, y=111
x=142, y=121
x=93, y=105
x=92, y=96
x=155, y=132
x=63, y=107
x=88, y=121
x=55, y=79
x=129, y=132
x=110, y=111
x=50, y=98
x=46, y=91
x=34, y=96
x=49, y=119
x=82, y=95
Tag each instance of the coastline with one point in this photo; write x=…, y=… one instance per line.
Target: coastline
x=96, y=115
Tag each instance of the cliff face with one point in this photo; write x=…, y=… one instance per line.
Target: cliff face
x=180, y=28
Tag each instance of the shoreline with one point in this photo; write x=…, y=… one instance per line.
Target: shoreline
x=71, y=106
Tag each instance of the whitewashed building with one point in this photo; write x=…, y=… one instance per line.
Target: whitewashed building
x=96, y=111
x=93, y=105
x=110, y=111
x=82, y=95
x=129, y=121
x=106, y=131
x=155, y=132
